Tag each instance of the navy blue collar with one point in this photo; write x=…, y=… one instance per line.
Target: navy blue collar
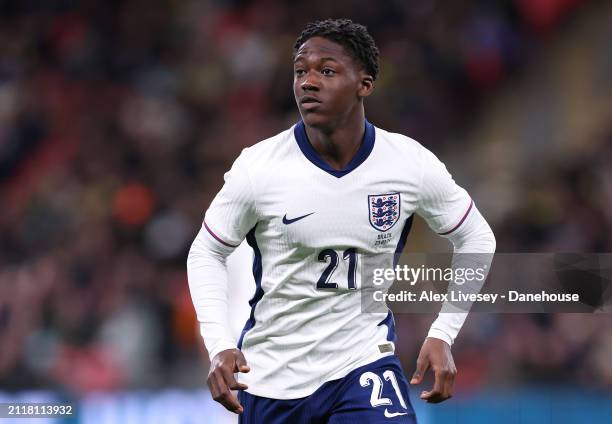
x=314, y=157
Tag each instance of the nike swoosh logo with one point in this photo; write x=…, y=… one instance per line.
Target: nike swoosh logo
x=291, y=221
x=393, y=414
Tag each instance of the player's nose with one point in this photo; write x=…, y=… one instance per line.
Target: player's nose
x=310, y=83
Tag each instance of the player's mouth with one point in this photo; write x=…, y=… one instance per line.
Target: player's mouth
x=309, y=102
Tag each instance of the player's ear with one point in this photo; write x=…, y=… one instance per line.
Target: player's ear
x=366, y=85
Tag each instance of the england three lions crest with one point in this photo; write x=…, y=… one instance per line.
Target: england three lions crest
x=384, y=210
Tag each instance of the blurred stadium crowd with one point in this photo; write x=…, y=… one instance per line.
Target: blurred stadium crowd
x=118, y=119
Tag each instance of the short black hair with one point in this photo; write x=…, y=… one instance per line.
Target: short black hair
x=354, y=37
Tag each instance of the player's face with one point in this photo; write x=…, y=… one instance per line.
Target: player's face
x=328, y=84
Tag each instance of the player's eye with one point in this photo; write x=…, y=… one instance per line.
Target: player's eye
x=299, y=72
x=328, y=72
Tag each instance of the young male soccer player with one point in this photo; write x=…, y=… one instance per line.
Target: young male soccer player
x=310, y=201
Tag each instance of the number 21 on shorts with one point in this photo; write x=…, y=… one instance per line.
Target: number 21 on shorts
x=369, y=378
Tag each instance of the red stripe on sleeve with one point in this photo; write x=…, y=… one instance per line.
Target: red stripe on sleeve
x=212, y=233
x=460, y=222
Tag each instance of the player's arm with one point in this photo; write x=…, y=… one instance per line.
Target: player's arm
x=450, y=212
x=207, y=274
x=230, y=216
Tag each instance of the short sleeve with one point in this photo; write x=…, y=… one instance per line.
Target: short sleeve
x=442, y=203
x=232, y=213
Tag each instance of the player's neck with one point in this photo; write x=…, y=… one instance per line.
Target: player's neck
x=339, y=145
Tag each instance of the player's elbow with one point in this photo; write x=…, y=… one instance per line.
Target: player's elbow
x=483, y=235
x=485, y=238
x=490, y=240
x=205, y=252
x=193, y=254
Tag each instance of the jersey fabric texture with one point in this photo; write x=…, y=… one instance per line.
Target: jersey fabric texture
x=374, y=393
x=307, y=224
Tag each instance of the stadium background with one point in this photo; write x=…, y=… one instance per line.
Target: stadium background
x=118, y=119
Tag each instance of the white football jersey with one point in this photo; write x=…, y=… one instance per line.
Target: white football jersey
x=308, y=224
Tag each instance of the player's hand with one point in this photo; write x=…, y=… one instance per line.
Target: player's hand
x=436, y=354
x=221, y=378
